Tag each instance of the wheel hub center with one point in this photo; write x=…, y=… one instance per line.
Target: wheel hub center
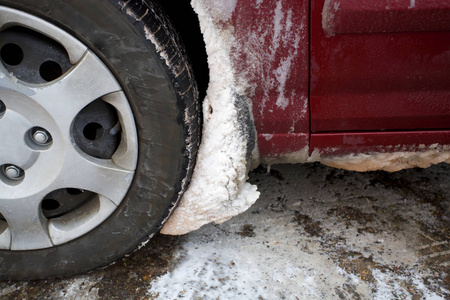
x=30, y=138
x=14, y=148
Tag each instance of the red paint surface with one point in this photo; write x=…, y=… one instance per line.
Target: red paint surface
x=382, y=78
x=336, y=144
x=269, y=36
x=371, y=82
x=274, y=145
x=375, y=16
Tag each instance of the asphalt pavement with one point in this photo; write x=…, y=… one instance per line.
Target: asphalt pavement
x=315, y=233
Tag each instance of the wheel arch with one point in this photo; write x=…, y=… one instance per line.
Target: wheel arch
x=218, y=189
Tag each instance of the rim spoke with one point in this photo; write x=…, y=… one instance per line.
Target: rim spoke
x=126, y=155
x=76, y=223
x=26, y=223
x=14, y=17
x=96, y=175
x=84, y=83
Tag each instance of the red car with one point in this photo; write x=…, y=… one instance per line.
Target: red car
x=104, y=129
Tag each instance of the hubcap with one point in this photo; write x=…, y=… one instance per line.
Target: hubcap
x=69, y=143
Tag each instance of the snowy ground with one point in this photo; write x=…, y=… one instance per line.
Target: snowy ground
x=315, y=233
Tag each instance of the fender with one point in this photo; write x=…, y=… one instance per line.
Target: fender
x=264, y=102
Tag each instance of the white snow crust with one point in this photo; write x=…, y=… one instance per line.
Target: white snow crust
x=423, y=157
x=218, y=189
x=221, y=10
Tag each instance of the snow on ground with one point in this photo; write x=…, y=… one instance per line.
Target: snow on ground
x=230, y=262
x=321, y=233
x=315, y=233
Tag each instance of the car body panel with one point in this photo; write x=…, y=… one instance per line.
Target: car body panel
x=385, y=16
x=340, y=66
x=260, y=51
x=385, y=73
x=271, y=55
x=339, y=144
x=371, y=75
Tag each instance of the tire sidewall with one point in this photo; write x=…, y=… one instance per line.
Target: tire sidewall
x=108, y=31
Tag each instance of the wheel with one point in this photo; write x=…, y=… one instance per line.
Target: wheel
x=99, y=126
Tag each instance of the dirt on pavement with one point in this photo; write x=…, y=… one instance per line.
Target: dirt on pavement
x=315, y=233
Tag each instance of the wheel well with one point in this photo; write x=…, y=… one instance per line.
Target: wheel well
x=187, y=25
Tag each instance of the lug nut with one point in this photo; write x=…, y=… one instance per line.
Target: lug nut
x=13, y=172
x=40, y=137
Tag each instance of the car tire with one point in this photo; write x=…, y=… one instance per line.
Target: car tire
x=134, y=41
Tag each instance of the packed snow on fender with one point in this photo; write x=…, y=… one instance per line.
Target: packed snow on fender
x=218, y=189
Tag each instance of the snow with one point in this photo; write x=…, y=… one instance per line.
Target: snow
x=315, y=233
x=281, y=259
x=284, y=35
x=222, y=10
x=336, y=6
x=218, y=189
x=267, y=136
x=215, y=268
x=391, y=286
x=8, y=290
x=204, y=271
x=277, y=26
x=271, y=45
x=394, y=161
x=78, y=289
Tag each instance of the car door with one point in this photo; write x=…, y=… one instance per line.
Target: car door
x=379, y=65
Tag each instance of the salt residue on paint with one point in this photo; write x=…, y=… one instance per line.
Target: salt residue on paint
x=295, y=157
x=330, y=8
x=271, y=49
